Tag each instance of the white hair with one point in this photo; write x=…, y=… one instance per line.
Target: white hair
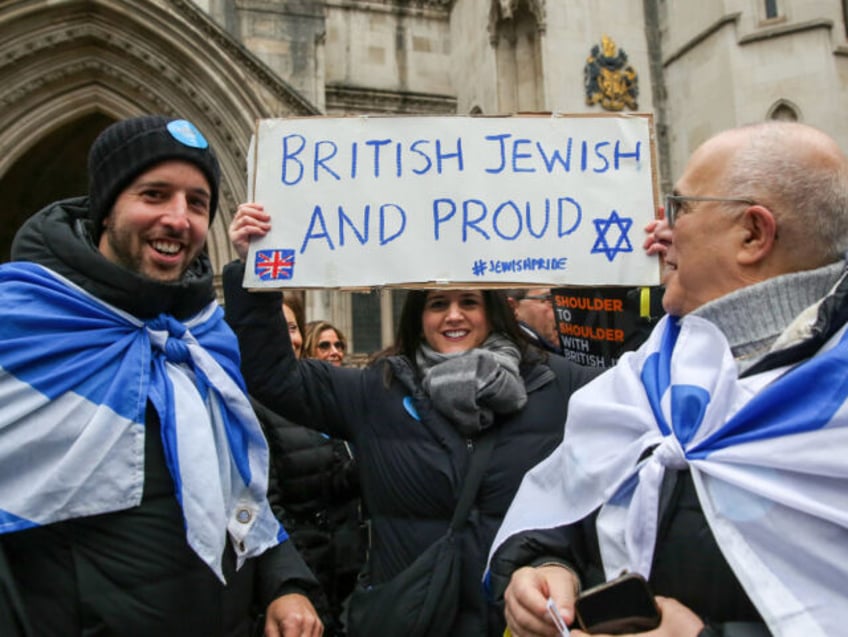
x=801, y=175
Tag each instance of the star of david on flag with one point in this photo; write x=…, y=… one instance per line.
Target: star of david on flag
x=602, y=226
x=274, y=265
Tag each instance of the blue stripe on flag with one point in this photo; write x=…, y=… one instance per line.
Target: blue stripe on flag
x=239, y=438
x=656, y=373
x=282, y=536
x=10, y=522
x=804, y=399
x=56, y=340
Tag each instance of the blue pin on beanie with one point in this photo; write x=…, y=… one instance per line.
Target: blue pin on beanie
x=127, y=148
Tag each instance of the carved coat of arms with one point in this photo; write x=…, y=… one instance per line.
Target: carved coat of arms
x=610, y=81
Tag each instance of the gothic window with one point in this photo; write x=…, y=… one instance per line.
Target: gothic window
x=845, y=16
x=771, y=9
x=53, y=168
x=784, y=111
x=366, y=331
x=374, y=319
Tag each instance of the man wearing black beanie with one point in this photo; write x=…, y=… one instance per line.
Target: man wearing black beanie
x=133, y=472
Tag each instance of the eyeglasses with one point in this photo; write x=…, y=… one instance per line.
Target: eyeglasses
x=544, y=298
x=325, y=346
x=673, y=207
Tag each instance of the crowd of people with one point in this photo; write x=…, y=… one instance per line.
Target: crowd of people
x=169, y=467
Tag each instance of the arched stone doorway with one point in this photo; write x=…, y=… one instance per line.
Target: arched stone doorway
x=54, y=168
x=70, y=67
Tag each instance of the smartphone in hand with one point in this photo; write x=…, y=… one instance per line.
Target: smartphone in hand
x=622, y=605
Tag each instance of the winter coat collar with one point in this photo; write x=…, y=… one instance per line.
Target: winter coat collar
x=58, y=237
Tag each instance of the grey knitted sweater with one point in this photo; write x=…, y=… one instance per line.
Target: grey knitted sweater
x=772, y=314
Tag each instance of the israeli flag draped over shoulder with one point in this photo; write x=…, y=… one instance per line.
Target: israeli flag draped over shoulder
x=766, y=453
x=75, y=378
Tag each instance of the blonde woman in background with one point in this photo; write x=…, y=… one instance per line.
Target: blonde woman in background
x=325, y=342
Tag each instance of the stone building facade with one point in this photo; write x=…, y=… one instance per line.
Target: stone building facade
x=69, y=67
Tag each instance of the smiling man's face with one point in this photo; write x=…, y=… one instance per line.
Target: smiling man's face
x=158, y=224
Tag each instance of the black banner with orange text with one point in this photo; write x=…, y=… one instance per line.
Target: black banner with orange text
x=597, y=325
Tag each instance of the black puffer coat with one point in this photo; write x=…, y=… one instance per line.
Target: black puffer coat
x=317, y=500
x=412, y=460
x=132, y=573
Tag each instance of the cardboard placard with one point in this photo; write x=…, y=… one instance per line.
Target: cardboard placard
x=465, y=201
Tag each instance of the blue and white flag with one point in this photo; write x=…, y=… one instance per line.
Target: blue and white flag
x=76, y=376
x=766, y=453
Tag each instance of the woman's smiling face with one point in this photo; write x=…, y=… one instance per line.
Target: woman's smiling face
x=454, y=320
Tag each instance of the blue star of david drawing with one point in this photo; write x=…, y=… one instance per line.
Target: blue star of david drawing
x=622, y=245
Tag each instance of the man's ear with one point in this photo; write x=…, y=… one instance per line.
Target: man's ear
x=513, y=305
x=759, y=236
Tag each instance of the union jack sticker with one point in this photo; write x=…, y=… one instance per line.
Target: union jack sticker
x=274, y=265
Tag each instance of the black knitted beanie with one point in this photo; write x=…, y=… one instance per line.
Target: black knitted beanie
x=129, y=147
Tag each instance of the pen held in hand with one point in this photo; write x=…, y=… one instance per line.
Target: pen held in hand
x=558, y=621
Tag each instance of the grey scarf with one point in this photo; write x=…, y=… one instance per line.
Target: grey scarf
x=470, y=387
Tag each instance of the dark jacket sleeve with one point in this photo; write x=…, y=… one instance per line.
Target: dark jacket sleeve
x=570, y=375
x=735, y=629
x=13, y=619
x=569, y=546
x=257, y=320
x=307, y=392
x=564, y=545
x=274, y=496
x=281, y=571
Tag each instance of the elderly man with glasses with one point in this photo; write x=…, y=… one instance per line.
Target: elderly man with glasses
x=534, y=310
x=712, y=460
